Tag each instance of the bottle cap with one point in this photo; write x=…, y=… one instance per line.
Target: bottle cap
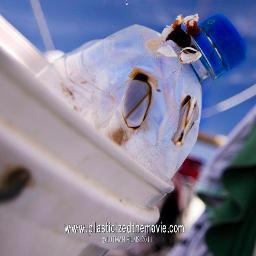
x=221, y=44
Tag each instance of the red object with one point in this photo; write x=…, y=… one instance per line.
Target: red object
x=185, y=180
x=191, y=167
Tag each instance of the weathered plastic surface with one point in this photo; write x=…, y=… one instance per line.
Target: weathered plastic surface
x=96, y=80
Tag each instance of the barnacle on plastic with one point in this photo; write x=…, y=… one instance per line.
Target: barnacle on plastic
x=175, y=33
x=188, y=115
x=191, y=23
x=137, y=99
x=188, y=55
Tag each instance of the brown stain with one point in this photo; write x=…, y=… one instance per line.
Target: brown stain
x=75, y=108
x=192, y=28
x=185, y=100
x=151, y=80
x=119, y=136
x=67, y=92
x=178, y=21
x=83, y=82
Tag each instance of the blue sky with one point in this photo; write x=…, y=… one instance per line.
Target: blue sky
x=72, y=23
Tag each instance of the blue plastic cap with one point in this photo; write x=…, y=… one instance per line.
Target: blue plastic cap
x=220, y=43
